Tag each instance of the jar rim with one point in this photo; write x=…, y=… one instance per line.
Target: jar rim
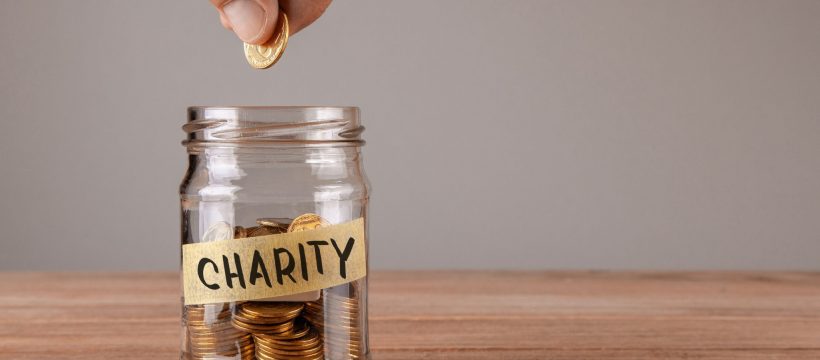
x=271, y=107
x=273, y=125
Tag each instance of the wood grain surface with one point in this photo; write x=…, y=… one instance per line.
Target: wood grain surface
x=451, y=315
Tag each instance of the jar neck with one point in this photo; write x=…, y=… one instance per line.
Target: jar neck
x=268, y=155
x=217, y=173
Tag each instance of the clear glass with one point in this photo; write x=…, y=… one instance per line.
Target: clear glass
x=252, y=163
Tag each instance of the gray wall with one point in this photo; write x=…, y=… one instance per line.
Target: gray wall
x=520, y=134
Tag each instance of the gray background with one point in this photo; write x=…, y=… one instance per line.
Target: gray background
x=501, y=134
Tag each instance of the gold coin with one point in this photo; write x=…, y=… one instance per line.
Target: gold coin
x=240, y=232
x=201, y=313
x=215, y=327
x=252, y=319
x=291, y=354
x=307, y=222
x=223, y=349
x=300, y=329
x=209, y=323
x=264, y=56
x=264, y=230
x=272, y=309
x=261, y=328
x=217, y=346
x=296, y=336
x=220, y=336
x=213, y=336
x=275, y=222
x=338, y=301
x=273, y=348
x=246, y=352
x=275, y=229
x=265, y=348
x=290, y=345
x=264, y=356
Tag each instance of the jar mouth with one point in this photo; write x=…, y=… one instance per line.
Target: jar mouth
x=273, y=126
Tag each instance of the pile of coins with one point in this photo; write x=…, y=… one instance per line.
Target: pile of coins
x=266, y=226
x=212, y=334
x=266, y=330
x=266, y=317
x=301, y=343
x=278, y=331
x=337, y=319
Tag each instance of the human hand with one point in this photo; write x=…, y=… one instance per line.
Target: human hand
x=254, y=21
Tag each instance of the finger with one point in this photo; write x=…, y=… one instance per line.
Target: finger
x=224, y=21
x=302, y=13
x=253, y=21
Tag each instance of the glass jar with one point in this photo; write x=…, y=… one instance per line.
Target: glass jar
x=274, y=223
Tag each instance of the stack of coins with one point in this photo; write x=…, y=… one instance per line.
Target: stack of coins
x=278, y=331
x=336, y=317
x=266, y=317
x=301, y=343
x=212, y=335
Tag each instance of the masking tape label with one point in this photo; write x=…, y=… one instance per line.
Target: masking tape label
x=273, y=265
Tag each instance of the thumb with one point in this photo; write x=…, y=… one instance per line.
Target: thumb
x=253, y=21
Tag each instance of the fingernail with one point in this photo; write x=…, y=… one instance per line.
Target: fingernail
x=246, y=18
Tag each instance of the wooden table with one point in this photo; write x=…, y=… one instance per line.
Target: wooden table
x=451, y=315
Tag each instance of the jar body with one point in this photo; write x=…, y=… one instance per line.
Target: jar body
x=257, y=189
